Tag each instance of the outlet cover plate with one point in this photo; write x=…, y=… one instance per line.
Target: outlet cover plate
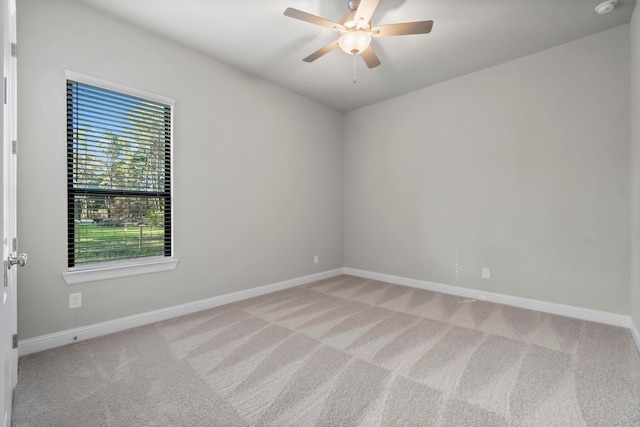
x=75, y=300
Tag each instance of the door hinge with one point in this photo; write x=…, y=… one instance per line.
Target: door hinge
x=14, y=50
x=15, y=340
x=6, y=273
x=14, y=146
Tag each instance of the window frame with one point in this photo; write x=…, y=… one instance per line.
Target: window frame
x=133, y=266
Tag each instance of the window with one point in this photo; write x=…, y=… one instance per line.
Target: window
x=118, y=177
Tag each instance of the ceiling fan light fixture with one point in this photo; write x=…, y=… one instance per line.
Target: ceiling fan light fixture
x=354, y=42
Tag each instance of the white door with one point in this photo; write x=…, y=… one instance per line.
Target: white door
x=11, y=260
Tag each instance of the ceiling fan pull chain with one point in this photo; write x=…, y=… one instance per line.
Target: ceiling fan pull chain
x=354, y=69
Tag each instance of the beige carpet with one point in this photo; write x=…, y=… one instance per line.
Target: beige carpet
x=344, y=351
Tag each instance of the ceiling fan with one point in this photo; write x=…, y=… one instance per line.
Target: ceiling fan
x=356, y=31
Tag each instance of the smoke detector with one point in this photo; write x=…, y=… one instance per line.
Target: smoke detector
x=606, y=7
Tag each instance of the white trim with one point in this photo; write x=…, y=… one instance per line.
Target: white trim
x=547, y=307
x=133, y=267
x=105, y=272
x=45, y=342
x=117, y=87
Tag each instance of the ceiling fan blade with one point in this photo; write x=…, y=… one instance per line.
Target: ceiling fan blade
x=364, y=12
x=322, y=51
x=420, y=27
x=370, y=57
x=307, y=17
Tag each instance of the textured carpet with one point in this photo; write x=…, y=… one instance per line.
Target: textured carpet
x=344, y=351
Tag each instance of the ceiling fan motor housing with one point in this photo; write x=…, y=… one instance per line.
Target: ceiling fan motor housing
x=348, y=21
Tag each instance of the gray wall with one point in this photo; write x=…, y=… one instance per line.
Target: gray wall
x=635, y=167
x=523, y=168
x=257, y=171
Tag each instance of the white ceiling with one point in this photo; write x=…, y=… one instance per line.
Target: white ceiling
x=468, y=35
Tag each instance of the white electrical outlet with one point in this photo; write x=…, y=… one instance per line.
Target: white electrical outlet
x=315, y=259
x=486, y=273
x=75, y=300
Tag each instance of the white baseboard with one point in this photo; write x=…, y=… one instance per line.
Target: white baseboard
x=45, y=342
x=547, y=307
x=635, y=334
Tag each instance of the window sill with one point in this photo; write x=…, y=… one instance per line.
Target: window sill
x=105, y=272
